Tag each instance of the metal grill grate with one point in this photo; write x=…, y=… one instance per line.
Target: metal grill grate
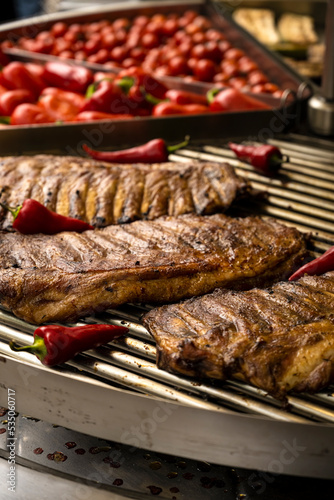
x=302, y=195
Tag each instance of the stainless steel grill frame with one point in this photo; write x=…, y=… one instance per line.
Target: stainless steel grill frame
x=116, y=392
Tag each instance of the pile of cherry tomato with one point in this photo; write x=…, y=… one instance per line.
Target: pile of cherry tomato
x=165, y=45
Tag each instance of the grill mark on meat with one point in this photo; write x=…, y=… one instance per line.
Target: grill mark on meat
x=112, y=194
x=156, y=195
x=66, y=276
x=280, y=339
x=180, y=200
x=105, y=193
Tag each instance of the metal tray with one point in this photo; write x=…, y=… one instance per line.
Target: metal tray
x=68, y=138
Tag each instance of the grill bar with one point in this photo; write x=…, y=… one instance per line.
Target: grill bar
x=301, y=195
x=114, y=364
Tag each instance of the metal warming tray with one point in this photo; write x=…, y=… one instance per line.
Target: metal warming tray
x=70, y=137
x=117, y=393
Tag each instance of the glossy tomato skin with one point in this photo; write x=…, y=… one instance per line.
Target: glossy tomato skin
x=205, y=69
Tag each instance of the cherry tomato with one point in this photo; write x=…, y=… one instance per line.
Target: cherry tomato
x=119, y=53
x=205, y=69
x=170, y=26
x=59, y=29
x=213, y=34
x=246, y=65
x=150, y=40
x=178, y=66
x=233, y=54
x=256, y=77
x=230, y=68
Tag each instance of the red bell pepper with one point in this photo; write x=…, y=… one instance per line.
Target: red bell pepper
x=58, y=108
x=320, y=265
x=184, y=97
x=68, y=77
x=29, y=114
x=55, y=344
x=233, y=100
x=169, y=108
x=32, y=218
x=265, y=157
x=154, y=151
x=76, y=99
x=13, y=98
x=16, y=76
x=87, y=116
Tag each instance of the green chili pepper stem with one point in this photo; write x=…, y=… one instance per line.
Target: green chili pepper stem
x=150, y=98
x=5, y=120
x=126, y=83
x=93, y=86
x=278, y=160
x=38, y=347
x=183, y=144
x=13, y=211
x=211, y=94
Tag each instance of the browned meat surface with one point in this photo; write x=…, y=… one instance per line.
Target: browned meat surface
x=104, y=193
x=69, y=275
x=280, y=339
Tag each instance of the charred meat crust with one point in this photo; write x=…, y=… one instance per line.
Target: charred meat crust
x=279, y=339
x=67, y=276
x=103, y=193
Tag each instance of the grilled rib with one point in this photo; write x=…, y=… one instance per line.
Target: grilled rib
x=103, y=193
x=68, y=275
x=280, y=339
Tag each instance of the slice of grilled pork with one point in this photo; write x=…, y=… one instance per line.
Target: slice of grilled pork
x=280, y=339
x=104, y=193
x=68, y=275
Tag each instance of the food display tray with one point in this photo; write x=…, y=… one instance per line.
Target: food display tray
x=68, y=138
x=116, y=392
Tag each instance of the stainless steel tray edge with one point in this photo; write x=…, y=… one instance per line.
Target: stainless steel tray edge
x=141, y=421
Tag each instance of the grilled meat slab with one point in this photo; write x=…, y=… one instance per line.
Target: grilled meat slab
x=280, y=339
x=103, y=193
x=69, y=275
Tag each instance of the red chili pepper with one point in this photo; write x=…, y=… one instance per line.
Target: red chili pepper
x=143, y=79
x=32, y=218
x=169, y=108
x=68, y=77
x=87, y=116
x=106, y=97
x=55, y=344
x=154, y=151
x=184, y=97
x=320, y=265
x=13, y=98
x=233, y=100
x=265, y=158
x=29, y=114
x=16, y=76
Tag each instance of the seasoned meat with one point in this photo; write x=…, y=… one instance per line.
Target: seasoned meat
x=69, y=275
x=280, y=339
x=104, y=193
